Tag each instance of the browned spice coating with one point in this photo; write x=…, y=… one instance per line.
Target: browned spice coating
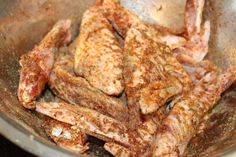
x=117, y=150
x=151, y=72
x=89, y=121
x=95, y=124
x=36, y=65
x=98, y=56
x=182, y=122
x=196, y=47
x=152, y=75
x=78, y=91
x=66, y=136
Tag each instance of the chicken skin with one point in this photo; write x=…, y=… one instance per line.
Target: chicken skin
x=117, y=59
x=78, y=91
x=152, y=74
x=66, y=136
x=182, y=122
x=36, y=65
x=98, y=56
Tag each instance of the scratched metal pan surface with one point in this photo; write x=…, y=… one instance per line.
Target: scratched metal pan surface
x=23, y=24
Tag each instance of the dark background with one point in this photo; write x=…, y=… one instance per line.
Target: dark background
x=8, y=149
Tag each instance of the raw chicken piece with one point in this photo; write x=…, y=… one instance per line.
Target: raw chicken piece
x=37, y=64
x=78, y=91
x=117, y=150
x=198, y=70
x=122, y=19
x=152, y=74
x=95, y=124
x=182, y=122
x=137, y=149
x=98, y=56
x=88, y=121
x=152, y=122
x=66, y=136
x=171, y=40
x=193, y=16
x=196, y=47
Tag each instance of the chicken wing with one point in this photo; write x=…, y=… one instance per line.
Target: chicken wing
x=193, y=16
x=196, y=46
x=122, y=19
x=198, y=70
x=182, y=122
x=98, y=56
x=152, y=75
x=95, y=124
x=171, y=40
x=37, y=64
x=66, y=136
x=152, y=122
x=117, y=150
x=78, y=91
x=88, y=121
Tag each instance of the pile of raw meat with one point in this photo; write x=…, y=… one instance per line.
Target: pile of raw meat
x=141, y=88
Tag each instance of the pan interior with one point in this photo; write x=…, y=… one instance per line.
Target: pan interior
x=23, y=23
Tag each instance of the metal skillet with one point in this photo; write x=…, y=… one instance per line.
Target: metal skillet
x=23, y=23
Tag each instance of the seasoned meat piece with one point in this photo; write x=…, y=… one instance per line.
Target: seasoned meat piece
x=88, y=121
x=182, y=122
x=95, y=124
x=152, y=74
x=196, y=46
x=152, y=122
x=193, y=16
x=122, y=19
x=171, y=40
x=98, y=56
x=78, y=91
x=198, y=70
x=36, y=65
x=117, y=150
x=66, y=136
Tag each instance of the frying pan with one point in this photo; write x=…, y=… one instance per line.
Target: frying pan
x=23, y=23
